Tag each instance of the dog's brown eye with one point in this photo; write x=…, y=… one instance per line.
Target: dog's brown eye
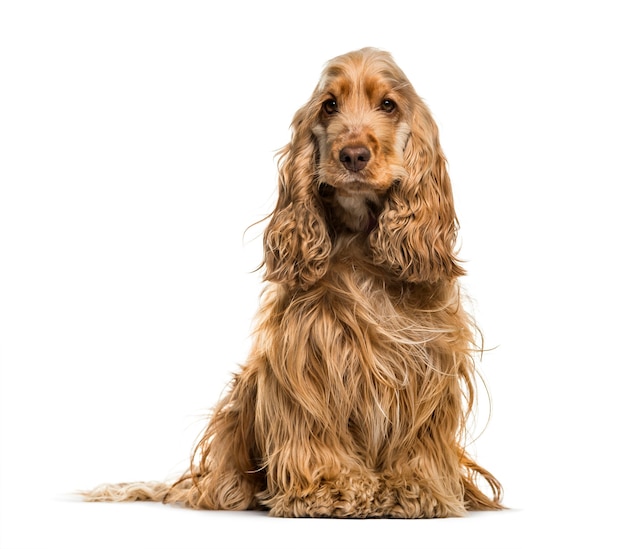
x=330, y=106
x=388, y=105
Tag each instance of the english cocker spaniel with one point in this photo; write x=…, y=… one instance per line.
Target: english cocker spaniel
x=356, y=394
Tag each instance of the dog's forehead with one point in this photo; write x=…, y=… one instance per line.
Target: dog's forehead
x=357, y=79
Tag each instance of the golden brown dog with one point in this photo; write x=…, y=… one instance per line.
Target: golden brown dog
x=354, y=400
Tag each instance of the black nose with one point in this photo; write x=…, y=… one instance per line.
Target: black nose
x=354, y=158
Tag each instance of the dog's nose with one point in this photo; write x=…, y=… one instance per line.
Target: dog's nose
x=354, y=158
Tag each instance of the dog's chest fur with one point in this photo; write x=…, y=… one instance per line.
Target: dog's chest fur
x=352, y=352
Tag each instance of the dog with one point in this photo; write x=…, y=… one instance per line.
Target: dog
x=355, y=398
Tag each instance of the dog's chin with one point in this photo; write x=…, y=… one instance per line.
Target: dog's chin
x=358, y=185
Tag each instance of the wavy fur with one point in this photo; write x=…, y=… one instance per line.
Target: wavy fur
x=355, y=397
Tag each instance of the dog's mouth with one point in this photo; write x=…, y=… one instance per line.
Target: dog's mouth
x=358, y=207
x=351, y=184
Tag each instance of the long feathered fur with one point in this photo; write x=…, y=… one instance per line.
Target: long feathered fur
x=356, y=395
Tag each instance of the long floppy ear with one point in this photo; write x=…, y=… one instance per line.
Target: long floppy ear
x=416, y=231
x=296, y=242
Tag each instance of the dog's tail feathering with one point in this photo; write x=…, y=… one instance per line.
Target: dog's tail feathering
x=160, y=492
x=129, y=491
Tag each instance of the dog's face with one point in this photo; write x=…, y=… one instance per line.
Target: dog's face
x=364, y=161
x=362, y=128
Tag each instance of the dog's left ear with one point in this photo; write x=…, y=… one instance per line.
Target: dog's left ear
x=416, y=232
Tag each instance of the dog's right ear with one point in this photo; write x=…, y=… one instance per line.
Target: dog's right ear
x=296, y=241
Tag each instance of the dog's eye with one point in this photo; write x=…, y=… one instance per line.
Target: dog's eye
x=330, y=106
x=388, y=105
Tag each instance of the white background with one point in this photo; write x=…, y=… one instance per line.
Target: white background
x=136, y=146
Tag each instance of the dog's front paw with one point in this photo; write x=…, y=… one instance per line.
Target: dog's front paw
x=403, y=496
x=350, y=495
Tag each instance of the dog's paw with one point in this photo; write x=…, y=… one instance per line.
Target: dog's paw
x=350, y=495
